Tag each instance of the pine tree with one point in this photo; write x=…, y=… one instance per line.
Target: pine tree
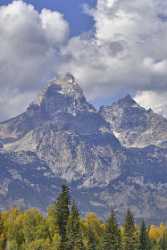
x=163, y=242
x=62, y=214
x=92, y=244
x=2, y=234
x=144, y=242
x=130, y=233
x=112, y=237
x=74, y=235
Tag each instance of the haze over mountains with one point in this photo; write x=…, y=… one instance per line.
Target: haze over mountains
x=115, y=157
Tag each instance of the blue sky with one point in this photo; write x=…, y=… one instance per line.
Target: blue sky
x=72, y=10
x=119, y=56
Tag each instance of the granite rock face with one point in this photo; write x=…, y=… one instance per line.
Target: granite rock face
x=62, y=138
x=25, y=180
x=133, y=125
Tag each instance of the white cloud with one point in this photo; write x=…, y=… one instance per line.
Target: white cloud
x=154, y=100
x=13, y=101
x=125, y=52
x=57, y=30
x=29, y=49
x=159, y=67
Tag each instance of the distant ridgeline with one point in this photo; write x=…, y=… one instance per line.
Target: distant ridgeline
x=64, y=229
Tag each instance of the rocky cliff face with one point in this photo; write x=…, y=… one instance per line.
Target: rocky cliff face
x=25, y=180
x=133, y=125
x=63, y=138
x=68, y=134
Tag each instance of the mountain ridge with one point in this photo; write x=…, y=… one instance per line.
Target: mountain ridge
x=133, y=125
x=78, y=145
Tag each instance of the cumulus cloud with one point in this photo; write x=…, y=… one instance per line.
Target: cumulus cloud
x=13, y=101
x=154, y=100
x=156, y=67
x=29, y=51
x=53, y=23
x=124, y=52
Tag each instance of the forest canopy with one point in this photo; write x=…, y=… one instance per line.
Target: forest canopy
x=62, y=228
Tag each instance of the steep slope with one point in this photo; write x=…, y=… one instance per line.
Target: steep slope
x=69, y=135
x=141, y=186
x=25, y=181
x=133, y=125
x=63, y=95
x=17, y=127
x=62, y=138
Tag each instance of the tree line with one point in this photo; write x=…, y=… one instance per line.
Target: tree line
x=64, y=229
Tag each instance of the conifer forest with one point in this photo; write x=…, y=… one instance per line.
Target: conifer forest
x=63, y=228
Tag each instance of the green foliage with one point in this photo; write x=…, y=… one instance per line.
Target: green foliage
x=144, y=241
x=63, y=229
x=163, y=242
x=74, y=235
x=2, y=234
x=130, y=233
x=59, y=213
x=39, y=245
x=34, y=227
x=112, y=237
x=62, y=211
x=91, y=240
x=93, y=229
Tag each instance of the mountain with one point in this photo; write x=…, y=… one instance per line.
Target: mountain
x=133, y=125
x=66, y=97
x=62, y=138
x=65, y=131
x=25, y=180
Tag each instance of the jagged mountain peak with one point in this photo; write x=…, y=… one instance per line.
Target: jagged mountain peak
x=134, y=125
x=63, y=95
x=128, y=100
x=63, y=84
x=64, y=139
x=67, y=133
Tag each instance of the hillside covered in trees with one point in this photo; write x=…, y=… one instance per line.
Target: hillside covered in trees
x=62, y=228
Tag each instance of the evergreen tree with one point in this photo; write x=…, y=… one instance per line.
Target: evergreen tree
x=112, y=237
x=62, y=214
x=74, y=235
x=163, y=242
x=92, y=244
x=2, y=234
x=130, y=233
x=144, y=242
